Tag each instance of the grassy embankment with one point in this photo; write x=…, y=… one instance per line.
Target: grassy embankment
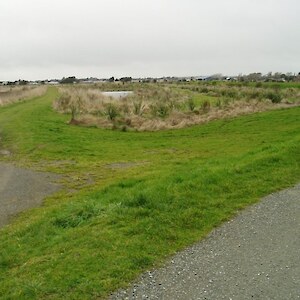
x=126, y=218
x=11, y=94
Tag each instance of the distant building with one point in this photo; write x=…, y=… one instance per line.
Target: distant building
x=53, y=82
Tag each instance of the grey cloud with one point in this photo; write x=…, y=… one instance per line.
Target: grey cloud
x=147, y=38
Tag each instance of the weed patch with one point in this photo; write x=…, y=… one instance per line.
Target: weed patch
x=155, y=107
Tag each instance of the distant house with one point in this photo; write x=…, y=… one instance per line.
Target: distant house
x=91, y=80
x=202, y=78
x=53, y=82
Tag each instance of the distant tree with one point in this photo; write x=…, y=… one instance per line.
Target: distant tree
x=217, y=76
x=22, y=82
x=125, y=79
x=241, y=77
x=269, y=75
x=111, y=79
x=69, y=80
x=277, y=75
x=254, y=77
x=289, y=76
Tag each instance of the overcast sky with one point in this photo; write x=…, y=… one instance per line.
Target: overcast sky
x=139, y=38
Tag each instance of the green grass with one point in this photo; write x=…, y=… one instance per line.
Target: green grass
x=121, y=221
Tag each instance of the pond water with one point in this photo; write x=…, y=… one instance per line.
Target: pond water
x=117, y=94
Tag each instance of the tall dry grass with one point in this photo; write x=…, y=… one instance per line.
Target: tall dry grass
x=152, y=108
x=245, y=92
x=89, y=100
x=12, y=94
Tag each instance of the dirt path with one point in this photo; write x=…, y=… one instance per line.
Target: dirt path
x=254, y=256
x=21, y=189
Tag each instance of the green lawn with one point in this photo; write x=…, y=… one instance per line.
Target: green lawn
x=130, y=199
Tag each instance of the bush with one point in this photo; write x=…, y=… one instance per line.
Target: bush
x=160, y=109
x=191, y=104
x=111, y=111
x=204, y=90
x=138, y=108
x=205, y=106
x=228, y=93
x=274, y=97
x=254, y=94
x=72, y=102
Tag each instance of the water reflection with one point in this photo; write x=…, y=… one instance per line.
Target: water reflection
x=117, y=94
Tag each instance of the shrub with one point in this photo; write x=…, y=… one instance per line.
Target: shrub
x=162, y=110
x=231, y=94
x=124, y=128
x=254, y=94
x=228, y=93
x=204, y=90
x=274, y=97
x=191, y=104
x=72, y=102
x=205, y=106
x=111, y=111
x=138, y=108
x=159, y=109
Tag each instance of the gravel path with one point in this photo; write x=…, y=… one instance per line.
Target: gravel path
x=21, y=189
x=254, y=256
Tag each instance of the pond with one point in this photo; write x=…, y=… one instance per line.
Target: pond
x=117, y=94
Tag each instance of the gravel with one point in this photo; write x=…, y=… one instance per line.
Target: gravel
x=21, y=189
x=253, y=256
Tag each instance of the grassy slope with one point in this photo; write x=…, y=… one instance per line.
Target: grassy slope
x=83, y=245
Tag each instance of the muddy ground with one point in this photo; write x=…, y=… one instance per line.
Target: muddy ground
x=21, y=189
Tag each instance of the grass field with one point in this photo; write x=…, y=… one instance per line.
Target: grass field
x=131, y=199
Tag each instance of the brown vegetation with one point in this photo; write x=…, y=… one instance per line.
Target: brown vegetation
x=12, y=94
x=158, y=107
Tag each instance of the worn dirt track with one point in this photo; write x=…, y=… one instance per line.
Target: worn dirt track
x=254, y=256
x=21, y=189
